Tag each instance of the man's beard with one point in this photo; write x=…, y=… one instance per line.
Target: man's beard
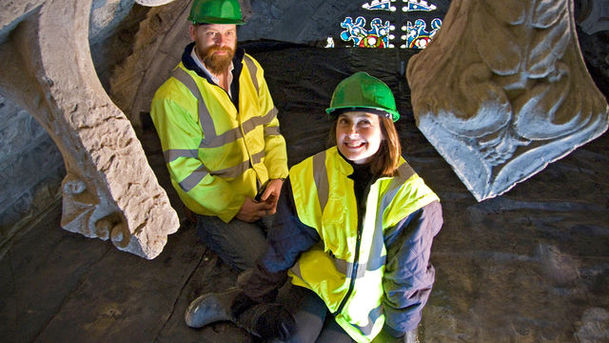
x=217, y=64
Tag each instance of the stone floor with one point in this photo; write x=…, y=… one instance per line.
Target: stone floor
x=529, y=266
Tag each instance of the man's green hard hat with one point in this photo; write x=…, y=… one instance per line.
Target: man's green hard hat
x=361, y=91
x=215, y=12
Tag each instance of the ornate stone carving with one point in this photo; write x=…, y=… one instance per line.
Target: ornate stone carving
x=503, y=90
x=109, y=192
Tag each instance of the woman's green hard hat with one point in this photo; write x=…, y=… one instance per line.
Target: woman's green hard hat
x=215, y=12
x=361, y=91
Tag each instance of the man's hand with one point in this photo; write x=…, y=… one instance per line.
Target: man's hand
x=271, y=193
x=252, y=210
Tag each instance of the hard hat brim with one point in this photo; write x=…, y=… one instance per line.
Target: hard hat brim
x=212, y=20
x=394, y=115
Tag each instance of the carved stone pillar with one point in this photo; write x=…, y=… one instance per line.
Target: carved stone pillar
x=109, y=192
x=503, y=90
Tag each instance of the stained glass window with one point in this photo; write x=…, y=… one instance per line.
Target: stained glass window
x=378, y=31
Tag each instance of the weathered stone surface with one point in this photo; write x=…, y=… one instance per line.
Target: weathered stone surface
x=156, y=51
x=110, y=191
x=31, y=170
x=12, y=11
x=501, y=106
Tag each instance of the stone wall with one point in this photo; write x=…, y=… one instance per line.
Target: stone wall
x=31, y=169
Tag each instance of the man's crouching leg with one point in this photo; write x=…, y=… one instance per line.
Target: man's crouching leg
x=239, y=244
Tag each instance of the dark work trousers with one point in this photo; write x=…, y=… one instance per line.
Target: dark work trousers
x=238, y=243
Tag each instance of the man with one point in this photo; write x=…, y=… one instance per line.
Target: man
x=220, y=135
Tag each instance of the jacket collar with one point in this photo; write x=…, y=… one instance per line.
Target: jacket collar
x=344, y=166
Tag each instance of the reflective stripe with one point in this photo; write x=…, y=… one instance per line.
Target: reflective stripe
x=272, y=131
x=320, y=174
x=218, y=141
x=234, y=134
x=257, y=158
x=253, y=71
x=346, y=267
x=207, y=124
x=174, y=154
x=240, y=168
x=268, y=118
x=296, y=270
x=254, y=122
x=405, y=172
x=376, y=257
x=233, y=171
x=372, y=317
x=194, y=178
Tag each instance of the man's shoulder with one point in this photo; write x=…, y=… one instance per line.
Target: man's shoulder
x=173, y=88
x=249, y=58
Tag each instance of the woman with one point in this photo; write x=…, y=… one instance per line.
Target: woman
x=354, y=228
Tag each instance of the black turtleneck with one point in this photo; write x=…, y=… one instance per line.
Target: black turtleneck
x=362, y=178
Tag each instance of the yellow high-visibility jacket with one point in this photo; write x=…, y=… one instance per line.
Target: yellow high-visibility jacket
x=218, y=150
x=346, y=267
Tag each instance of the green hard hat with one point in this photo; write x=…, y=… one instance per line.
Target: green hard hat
x=215, y=12
x=361, y=91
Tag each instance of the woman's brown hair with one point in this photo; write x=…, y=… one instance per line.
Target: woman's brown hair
x=387, y=158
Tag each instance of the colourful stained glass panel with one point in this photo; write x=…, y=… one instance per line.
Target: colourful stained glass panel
x=377, y=36
x=379, y=5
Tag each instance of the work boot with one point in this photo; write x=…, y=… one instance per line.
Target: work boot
x=268, y=321
x=210, y=308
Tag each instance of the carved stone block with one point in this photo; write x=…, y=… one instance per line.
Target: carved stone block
x=109, y=192
x=503, y=90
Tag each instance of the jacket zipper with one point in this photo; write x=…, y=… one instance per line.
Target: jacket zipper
x=361, y=210
x=353, y=271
